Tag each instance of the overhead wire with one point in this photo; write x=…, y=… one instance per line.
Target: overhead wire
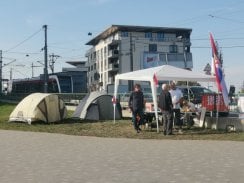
x=28, y=38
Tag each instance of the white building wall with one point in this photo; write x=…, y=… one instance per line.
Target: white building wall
x=140, y=45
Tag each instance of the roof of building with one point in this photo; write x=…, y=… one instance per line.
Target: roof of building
x=76, y=63
x=131, y=28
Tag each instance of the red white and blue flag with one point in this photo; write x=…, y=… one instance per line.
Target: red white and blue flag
x=219, y=72
x=155, y=80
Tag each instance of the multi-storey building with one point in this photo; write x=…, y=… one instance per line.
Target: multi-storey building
x=122, y=48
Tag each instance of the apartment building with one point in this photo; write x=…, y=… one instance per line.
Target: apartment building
x=122, y=48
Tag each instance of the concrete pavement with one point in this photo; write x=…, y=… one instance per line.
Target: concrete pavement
x=27, y=157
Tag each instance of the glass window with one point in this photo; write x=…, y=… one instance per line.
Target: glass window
x=160, y=36
x=65, y=84
x=152, y=47
x=148, y=35
x=124, y=34
x=173, y=49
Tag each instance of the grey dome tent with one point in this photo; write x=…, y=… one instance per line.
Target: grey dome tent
x=39, y=107
x=97, y=106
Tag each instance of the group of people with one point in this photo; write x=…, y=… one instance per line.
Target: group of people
x=170, y=102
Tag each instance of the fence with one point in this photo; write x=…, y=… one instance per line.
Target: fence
x=69, y=98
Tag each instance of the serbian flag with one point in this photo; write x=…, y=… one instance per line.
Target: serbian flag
x=218, y=72
x=155, y=80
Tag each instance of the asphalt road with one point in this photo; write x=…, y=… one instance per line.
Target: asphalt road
x=27, y=157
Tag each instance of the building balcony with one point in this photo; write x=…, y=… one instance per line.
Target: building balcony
x=113, y=67
x=114, y=42
x=110, y=80
x=88, y=52
x=169, y=39
x=113, y=53
x=113, y=60
x=181, y=60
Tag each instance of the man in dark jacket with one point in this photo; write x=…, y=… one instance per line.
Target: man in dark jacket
x=136, y=104
x=165, y=105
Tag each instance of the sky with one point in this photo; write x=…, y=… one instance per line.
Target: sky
x=70, y=21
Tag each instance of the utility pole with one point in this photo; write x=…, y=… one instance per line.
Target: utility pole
x=45, y=61
x=11, y=74
x=1, y=74
x=53, y=58
x=130, y=83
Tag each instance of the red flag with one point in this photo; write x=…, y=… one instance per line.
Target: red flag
x=155, y=80
x=114, y=100
x=219, y=72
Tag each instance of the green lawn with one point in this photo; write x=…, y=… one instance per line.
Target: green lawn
x=121, y=129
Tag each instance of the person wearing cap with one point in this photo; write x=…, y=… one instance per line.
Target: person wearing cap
x=165, y=105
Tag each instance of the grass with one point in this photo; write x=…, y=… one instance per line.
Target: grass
x=121, y=129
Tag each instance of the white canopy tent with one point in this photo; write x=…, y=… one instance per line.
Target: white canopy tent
x=163, y=73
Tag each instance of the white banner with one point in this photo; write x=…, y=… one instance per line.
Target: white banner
x=150, y=60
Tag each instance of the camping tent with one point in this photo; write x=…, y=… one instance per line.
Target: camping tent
x=39, y=107
x=96, y=106
x=165, y=73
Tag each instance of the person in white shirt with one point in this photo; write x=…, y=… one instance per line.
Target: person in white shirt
x=177, y=97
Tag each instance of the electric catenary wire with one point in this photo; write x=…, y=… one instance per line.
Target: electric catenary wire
x=22, y=42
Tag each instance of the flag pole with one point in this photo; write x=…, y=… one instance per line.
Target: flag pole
x=217, y=114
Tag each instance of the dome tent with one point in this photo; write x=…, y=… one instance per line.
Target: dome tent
x=39, y=107
x=96, y=106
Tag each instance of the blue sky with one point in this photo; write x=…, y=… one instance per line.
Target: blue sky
x=69, y=21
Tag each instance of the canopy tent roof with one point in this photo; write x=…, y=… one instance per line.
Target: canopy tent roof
x=165, y=72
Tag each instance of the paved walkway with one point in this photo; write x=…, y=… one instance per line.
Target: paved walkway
x=27, y=157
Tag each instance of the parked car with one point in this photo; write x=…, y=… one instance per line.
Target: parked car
x=195, y=93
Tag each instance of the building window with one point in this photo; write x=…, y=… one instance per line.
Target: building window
x=152, y=47
x=173, y=48
x=124, y=34
x=148, y=35
x=160, y=36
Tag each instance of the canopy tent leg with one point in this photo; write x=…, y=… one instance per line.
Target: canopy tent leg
x=155, y=103
x=116, y=85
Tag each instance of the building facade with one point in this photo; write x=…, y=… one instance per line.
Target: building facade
x=121, y=49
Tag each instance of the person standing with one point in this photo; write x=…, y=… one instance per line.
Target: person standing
x=165, y=105
x=136, y=105
x=177, y=97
